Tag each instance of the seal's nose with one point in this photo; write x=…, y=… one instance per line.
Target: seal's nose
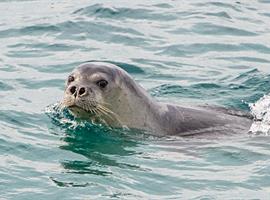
x=82, y=91
x=73, y=90
x=78, y=91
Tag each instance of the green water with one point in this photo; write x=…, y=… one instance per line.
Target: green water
x=187, y=52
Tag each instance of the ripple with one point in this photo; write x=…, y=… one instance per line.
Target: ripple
x=207, y=86
x=246, y=58
x=99, y=10
x=219, y=14
x=233, y=156
x=163, y=5
x=48, y=47
x=212, y=29
x=29, y=30
x=69, y=184
x=93, y=30
x=27, y=54
x=188, y=50
x=232, y=6
x=264, y=1
x=257, y=47
x=5, y=87
x=167, y=89
x=55, y=68
x=19, y=118
x=37, y=84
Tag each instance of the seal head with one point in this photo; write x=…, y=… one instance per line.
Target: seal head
x=103, y=92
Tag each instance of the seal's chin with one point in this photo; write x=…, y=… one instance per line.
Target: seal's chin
x=80, y=112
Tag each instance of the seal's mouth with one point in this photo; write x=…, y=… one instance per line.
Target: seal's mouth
x=92, y=110
x=71, y=106
x=88, y=109
x=82, y=113
x=79, y=104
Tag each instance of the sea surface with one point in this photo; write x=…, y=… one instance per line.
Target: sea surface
x=182, y=51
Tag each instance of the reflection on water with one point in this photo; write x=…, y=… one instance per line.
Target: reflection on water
x=102, y=149
x=101, y=145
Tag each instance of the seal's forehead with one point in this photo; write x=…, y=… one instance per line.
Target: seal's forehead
x=89, y=69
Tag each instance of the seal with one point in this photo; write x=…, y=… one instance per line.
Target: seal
x=105, y=93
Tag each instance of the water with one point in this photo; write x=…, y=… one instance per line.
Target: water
x=195, y=52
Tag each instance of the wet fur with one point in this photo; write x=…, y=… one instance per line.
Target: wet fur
x=126, y=103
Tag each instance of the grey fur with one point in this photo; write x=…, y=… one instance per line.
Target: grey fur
x=134, y=108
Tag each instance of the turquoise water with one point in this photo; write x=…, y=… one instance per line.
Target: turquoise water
x=187, y=52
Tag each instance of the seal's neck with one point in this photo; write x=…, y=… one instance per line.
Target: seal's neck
x=136, y=108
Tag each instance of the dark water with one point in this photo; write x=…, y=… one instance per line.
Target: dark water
x=195, y=52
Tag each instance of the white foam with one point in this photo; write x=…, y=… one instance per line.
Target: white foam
x=261, y=112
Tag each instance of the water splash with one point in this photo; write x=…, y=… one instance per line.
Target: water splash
x=61, y=116
x=261, y=112
x=63, y=119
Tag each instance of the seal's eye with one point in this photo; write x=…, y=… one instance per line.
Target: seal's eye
x=102, y=83
x=71, y=78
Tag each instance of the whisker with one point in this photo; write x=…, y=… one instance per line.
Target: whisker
x=94, y=111
x=94, y=108
x=102, y=111
x=105, y=113
x=105, y=104
x=61, y=105
x=109, y=113
x=106, y=109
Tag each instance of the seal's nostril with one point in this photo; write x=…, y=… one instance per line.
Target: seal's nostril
x=72, y=89
x=82, y=91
